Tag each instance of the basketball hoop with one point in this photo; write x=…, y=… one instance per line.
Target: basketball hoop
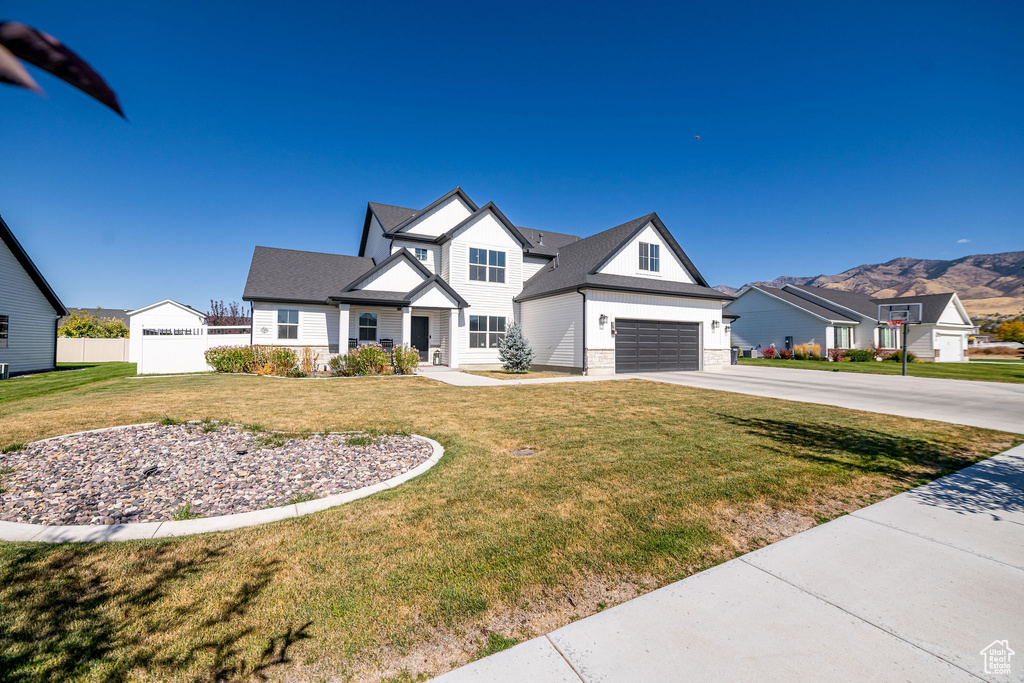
x=894, y=325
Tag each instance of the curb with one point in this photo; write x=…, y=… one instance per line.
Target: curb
x=92, y=533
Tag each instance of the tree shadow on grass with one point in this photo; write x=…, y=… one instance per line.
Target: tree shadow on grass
x=867, y=450
x=64, y=614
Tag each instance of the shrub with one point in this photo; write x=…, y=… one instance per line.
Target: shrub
x=406, y=359
x=768, y=352
x=308, y=359
x=897, y=356
x=340, y=366
x=860, y=355
x=281, y=360
x=231, y=358
x=785, y=354
x=836, y=355
x=514, y=350
x=372, y=359
x=801, y=351
x=815, y=352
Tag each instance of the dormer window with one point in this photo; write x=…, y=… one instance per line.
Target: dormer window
x=421, y=254
x=486, y=265
x=650, y=257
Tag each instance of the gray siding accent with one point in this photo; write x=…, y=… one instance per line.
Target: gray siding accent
x=32, y=339
x=765, y=320
x=554, y=326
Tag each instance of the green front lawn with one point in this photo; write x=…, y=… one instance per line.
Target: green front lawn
x=973, y=371
x=634, y=484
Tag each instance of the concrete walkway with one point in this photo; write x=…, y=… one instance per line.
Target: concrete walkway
x=910, y=589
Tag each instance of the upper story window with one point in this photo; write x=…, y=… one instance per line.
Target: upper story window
x=650, y=257
x=421, y=254
x=4, y=326
x=287, y=324
x=486, y=265
x=367, y=327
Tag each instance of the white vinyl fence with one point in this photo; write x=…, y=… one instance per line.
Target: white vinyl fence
x=167, y=351
x=88, y=350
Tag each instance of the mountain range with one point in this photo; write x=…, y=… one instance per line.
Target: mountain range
x=988, y=284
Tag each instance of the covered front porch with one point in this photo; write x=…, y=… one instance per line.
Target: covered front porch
x=432, y=331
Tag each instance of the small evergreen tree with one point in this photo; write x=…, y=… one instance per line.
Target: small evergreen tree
x=514, y=350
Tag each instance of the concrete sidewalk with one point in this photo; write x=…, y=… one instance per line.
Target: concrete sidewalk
x=910, y=589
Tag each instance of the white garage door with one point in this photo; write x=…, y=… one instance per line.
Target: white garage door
x=950, y=347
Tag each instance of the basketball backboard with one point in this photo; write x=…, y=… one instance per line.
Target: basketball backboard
x=905, y=313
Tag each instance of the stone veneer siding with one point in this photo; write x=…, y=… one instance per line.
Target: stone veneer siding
x=716, y=357
x=600, y=358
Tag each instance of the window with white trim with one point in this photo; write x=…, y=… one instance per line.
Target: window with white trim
x=4, y=327
x=650, y=257
x=888, y=338
x=287, y=324
x=486, y=331
x=486, y=265
x=844, y=337
x=421, y=253
x=367, y=327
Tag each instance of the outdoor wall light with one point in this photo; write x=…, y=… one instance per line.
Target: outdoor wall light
x=714, y=325
x=602, y=320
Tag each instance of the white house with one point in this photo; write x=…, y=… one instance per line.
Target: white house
x=29, y=310
x=799, y=314
x=450, y=278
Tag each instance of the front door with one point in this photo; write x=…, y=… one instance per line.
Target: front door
x=421, y=335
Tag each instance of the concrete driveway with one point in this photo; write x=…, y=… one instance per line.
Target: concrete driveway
x=911, y=589
x=980, y=404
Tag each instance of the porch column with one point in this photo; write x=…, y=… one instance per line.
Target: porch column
x=453, y=339
x=343, y=328
x=407, y=326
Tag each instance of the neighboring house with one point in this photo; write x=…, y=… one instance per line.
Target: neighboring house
x=29, y=310
x=450, y=278
x=120, y=314
x=801, y=314
x=165, y=318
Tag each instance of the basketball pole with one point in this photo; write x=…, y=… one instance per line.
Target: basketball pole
x=904, y=343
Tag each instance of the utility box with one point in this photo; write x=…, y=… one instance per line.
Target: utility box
x=5, y=371
x=789, y=343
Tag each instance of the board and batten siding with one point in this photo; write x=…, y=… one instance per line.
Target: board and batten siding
x=765, y=320
x=484, y=298
x=626, y=261
x=554, y=326
x=318, y=325
x=441, y=219
x=398, y=276
x=377, y=246
x=389, y=323
x=433, y=262
x=32, y=337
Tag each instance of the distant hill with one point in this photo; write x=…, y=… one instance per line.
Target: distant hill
x=980, y=280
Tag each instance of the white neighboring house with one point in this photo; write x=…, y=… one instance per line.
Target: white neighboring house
x=450, y=278
x=836, y=319
x=29, y=310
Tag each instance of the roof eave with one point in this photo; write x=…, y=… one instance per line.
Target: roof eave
x=30, y=267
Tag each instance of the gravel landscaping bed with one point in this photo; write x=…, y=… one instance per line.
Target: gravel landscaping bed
x=156, y=473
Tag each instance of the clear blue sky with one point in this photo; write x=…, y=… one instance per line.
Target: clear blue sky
x=831, y=134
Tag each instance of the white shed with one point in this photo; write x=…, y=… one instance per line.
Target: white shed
x=165, y=318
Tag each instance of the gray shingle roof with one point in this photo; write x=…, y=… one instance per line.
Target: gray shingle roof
x=932, y=305
x=391, y=216
x=806, y=304
x=861, y=303
x=553, y=241
x=577, y=260
x=300, y=276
